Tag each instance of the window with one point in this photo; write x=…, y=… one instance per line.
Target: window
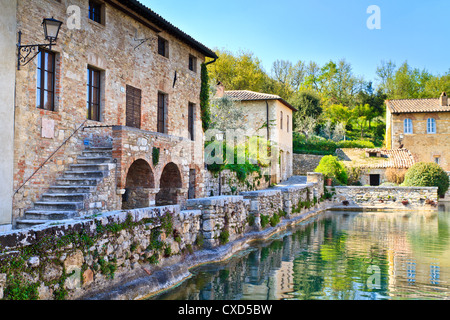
x=431, y=126
x=287, y=123
x=93, y=94
x=408, y=126
x=96, y=11
x=437, y=160
x=163, y=47
x=192, y=63
x=281, y=120
x=45, y=93
x=162, y=109
x=191, y=122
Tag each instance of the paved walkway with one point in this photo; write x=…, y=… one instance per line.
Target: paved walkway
x=294, y=180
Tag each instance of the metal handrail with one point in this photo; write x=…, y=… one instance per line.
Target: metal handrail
x=51, y=156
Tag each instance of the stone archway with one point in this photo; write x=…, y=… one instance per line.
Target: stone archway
x=139, y=188
x=169, y=186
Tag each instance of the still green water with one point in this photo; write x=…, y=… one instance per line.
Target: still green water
x=336, y=256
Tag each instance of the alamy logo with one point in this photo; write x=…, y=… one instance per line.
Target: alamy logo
x=74, y=19
x=374, y=281
x=374, y=21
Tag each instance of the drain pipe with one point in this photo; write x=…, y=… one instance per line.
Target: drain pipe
x=268, y=140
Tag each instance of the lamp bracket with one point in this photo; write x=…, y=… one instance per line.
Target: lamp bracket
x=28, y=52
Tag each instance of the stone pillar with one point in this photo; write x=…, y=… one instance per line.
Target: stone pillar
x=317, y=179
x=8, y=66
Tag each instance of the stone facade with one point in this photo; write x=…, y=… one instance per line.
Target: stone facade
x=304, y=163
x=386, y=197
x=427, y=147
x=110, y=48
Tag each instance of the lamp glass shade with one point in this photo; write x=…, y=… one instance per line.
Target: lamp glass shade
x=51, y=29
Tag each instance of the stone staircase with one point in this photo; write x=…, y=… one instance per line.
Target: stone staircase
x=66, y=199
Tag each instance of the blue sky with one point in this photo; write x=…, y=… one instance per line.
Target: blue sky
x=320, y=30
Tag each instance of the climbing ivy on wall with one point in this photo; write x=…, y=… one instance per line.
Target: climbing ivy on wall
x=204, y=98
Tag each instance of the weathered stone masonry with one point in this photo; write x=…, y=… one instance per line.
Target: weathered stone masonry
x=110, y=48
x=79, y=258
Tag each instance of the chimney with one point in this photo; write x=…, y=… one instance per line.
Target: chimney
x=220, y=90
x=444, y=100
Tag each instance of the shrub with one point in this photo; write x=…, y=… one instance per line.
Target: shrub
x=425, y=174
x=331, y=167
x=395, y=175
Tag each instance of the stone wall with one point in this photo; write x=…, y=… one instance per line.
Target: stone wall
x=69, y=260
x=304, y=163
x=228, y=184
x=223, y=218
x=386, y=197
x=82, y=257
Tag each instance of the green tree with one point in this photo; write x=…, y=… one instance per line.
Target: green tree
x=424, y=174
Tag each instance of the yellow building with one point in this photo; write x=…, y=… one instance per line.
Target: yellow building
x=421, y=126
x=261, y=109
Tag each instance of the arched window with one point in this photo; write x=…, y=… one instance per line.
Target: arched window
x=408, y=126
x=431, y=126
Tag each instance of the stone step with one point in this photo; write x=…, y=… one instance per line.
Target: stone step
x=64, y=197
x=90, y=167
x=54, y=205
x=71, y=189
x=97, y=153
x=39, y=215
x=77, y=181
x=28, y=223
x=94, y=160
x=85, y=174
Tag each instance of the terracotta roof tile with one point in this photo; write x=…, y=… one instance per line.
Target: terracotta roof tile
x=396, y=158
x=246, y=95
x=416, y=105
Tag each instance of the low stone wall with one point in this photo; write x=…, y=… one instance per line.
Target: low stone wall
x=228, y=184
x=304, y=163
x=385, y=197
x=69, y=260
x=223, y=219
x=79, y=258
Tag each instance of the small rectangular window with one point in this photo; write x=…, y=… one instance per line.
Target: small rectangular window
x=437, y=160
x=162, y=109
x=288, y=124
x=408, y=126
x=163, y=47
x=96, y=11
x=93, y=94
x=45, y=93
x=281, y=120
x=431, y=126
x=192, y=63
x=191, y=122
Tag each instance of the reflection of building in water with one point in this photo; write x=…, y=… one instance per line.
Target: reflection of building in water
x=418, y=250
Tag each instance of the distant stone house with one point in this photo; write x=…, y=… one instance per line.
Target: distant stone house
x=108, y=118
x=421, y=126
x=373, y=164
x=270, y=117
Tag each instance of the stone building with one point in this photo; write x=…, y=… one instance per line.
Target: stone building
x=421, y=126
x=270, y=117
x=108, y=118
x=371, y=165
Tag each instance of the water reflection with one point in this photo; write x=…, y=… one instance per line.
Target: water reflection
x=339, y=255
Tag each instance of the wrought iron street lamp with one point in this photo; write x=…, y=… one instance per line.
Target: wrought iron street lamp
x=28, y=52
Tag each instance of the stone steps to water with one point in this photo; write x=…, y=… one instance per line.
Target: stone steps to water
x=66, y=198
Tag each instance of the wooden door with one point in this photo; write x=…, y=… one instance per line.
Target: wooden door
x=133, y=113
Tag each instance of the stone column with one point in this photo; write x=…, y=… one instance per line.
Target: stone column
x=8, y=67
x=317, y=179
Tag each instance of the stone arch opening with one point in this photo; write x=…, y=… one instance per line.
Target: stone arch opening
x=139, y=187
x=169, y=186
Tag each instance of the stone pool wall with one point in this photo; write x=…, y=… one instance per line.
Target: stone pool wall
x=386, y=197
x=78, y=258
